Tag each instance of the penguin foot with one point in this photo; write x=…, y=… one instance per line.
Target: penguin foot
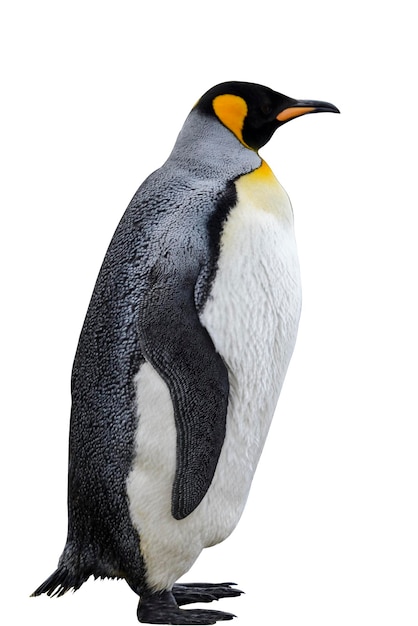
x=188, y=593
x=162, y=608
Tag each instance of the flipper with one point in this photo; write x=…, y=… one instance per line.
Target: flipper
x=181, y=350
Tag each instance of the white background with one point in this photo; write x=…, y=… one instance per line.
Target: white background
x=93, y=96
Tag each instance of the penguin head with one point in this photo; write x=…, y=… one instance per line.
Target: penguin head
x=253, y=112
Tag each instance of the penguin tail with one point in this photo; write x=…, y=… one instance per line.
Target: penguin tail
x=61, y=581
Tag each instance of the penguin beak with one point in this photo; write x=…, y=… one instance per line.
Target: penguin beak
x=302, y=107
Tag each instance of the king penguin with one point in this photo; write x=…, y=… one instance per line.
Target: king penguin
x=181, y=359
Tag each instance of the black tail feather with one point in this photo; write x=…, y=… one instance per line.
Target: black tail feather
x=61, y=581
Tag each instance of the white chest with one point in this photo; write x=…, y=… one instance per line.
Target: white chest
x=253, y=313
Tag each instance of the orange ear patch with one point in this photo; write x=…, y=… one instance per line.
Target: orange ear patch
x=231, y=110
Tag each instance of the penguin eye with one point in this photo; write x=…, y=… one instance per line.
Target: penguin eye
x=266, y=108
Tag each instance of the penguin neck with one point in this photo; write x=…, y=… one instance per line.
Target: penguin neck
x=204, y=146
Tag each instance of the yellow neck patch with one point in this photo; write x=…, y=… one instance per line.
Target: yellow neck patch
x=232, y=111
x=261, y=191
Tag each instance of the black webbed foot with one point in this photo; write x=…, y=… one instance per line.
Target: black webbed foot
x=162, y=608
x=188, y=593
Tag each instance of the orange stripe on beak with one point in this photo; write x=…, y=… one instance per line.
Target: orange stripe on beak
x=292, y=112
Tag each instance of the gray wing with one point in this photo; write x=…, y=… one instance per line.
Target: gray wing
x=181, y=350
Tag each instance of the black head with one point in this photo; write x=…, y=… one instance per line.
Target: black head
x=253, y=112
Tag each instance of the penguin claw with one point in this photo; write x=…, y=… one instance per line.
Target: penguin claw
x=162, y=608
x=188, y=593
x=193, y=617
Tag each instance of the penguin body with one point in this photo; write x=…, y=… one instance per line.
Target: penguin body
x=256, y=283
x=182, y=357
